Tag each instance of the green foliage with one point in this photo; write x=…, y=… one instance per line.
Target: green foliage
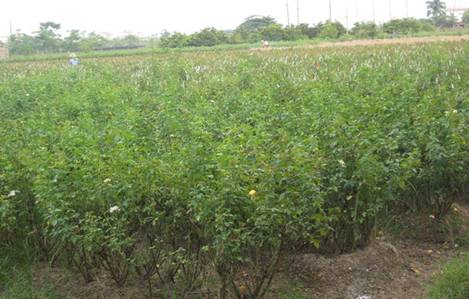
x=208, y=37
x=445, y=21
x=47, y=40
x=173, y=167
x=255, y=28
x=273, y=32
x=309, y=31
x=16, y=275
x=406, y=26
x=22, y=44
x=175, y=40
x=365, y=30
x=300, y=32
x=436, y=9
x=254, y=24
x=332, y=30
x=453, y=283
x=47, y=37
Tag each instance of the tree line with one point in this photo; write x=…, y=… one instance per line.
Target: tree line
x=254, y=29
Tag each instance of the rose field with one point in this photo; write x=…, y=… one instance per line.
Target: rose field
x=199, y=174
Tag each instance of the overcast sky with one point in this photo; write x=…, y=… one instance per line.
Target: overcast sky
x=147, y=17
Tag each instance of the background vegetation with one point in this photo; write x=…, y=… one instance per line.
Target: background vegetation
x=252, y=30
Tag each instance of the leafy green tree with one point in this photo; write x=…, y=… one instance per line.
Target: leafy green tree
x=256, y=23
x=365, y=30
x=296, y=32
x=250, y=30
x=310, y=31
x=446, y=21
x=48, y=38
x=436, y=8
x=22, y=44
x=403, y=26
x=93, y=41
x=273, y=32
x=72, y=41
x=332, y=30
x=239, y=36
x=175, y=40
x=207, y=37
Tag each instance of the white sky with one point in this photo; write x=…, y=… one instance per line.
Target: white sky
x=147, y=17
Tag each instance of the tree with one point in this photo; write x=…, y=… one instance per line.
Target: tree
x=436, y=9
x=298, y=32
x=250, y=29
x=465, y=18
x=272, y=32
x=332, y=30
x=310, y=31
x=92, y=41
x=175, y=40
x=401, y=26
x=72, y=41
x=256, y=23
x=47, y=37
x=22, y=44
x=207, y=37
x=446, y=21
x=365, y=30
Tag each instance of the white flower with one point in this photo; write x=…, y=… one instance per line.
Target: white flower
x=432, y=217
x=107, y=181
x=455, y=111
x=342, y=163
x=114, y=209
x=13, y=193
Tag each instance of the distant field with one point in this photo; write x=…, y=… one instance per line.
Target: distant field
x=200, y=172
x=452, y=35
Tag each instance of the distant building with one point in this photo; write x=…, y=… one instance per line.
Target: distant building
x=4, y=53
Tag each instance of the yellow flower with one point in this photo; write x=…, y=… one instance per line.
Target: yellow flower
x=252, y=193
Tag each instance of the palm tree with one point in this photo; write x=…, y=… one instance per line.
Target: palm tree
x=436, y=8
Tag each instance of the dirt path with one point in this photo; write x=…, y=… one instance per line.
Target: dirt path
x=384, y=270
x=388, y=268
